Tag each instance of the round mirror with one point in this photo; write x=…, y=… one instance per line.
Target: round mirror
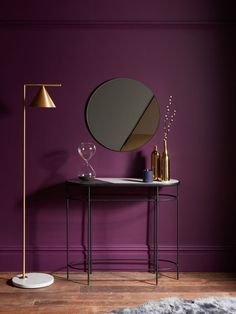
x=123, y=114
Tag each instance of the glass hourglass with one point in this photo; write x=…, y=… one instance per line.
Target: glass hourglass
x=86, y=152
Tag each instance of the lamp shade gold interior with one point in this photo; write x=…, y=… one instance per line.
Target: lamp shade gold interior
x=42, y=99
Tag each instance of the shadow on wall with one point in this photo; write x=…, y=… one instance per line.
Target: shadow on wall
x=53, y=162
x=227, y=140
x=4, y=111
x=49, y=193
x=49, y=198
x=136, y=165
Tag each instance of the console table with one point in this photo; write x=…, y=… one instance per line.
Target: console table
x=153, y=194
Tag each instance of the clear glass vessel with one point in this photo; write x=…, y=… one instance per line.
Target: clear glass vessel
x=86, y=152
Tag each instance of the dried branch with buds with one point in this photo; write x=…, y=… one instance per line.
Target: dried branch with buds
x=169, y=118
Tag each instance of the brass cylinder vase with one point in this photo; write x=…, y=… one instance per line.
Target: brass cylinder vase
x=165, y=163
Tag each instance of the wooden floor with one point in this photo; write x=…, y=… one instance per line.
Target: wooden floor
x=109, y=291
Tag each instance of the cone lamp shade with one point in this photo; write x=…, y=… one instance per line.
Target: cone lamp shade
x=31, y=280
x=42, y=99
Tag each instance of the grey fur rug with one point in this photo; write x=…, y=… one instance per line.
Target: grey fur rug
x=216, y=305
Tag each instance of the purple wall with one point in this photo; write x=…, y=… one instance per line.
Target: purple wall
x=180, y=48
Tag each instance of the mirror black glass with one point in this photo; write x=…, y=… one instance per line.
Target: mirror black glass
x=123, y=114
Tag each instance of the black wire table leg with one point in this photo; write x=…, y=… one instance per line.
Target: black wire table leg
x=67, y=237
x=177, y=223
x=155, y=234
x=89, y=266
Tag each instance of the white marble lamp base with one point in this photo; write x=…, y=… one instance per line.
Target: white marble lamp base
x=33, y=280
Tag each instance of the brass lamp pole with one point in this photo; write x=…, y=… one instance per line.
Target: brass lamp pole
x=32, y=280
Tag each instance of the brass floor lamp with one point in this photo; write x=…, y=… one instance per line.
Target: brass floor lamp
x=32, y=280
